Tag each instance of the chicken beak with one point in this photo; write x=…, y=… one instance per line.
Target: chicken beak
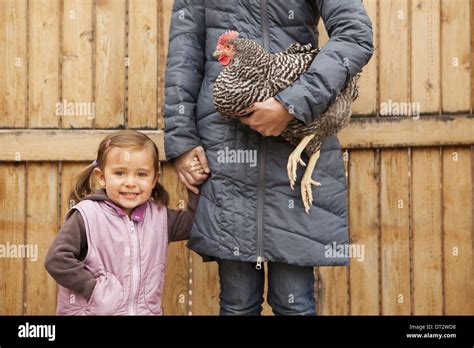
x=216, y=53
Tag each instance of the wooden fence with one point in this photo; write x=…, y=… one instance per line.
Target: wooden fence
x=410, y=176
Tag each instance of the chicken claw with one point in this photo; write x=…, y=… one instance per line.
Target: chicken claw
x=292, y=165
x=295, y=158
x=307, y=181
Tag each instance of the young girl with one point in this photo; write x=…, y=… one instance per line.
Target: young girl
x=109, y=256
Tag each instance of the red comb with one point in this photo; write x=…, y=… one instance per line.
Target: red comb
x=228, y=35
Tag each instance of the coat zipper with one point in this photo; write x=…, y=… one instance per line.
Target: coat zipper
x=263, y=151
x=134, y=277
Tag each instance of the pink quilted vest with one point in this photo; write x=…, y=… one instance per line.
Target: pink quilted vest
x=126, y=255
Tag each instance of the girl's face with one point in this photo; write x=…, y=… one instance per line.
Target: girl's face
x=128, y=176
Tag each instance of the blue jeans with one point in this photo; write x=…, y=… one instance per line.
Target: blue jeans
x=290, y=288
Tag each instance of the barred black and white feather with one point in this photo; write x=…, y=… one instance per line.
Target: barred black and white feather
x=254, y=75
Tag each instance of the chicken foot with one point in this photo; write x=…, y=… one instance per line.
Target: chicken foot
x=295, y=158
x=307, y=181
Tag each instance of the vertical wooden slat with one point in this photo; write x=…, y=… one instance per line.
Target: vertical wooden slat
x=363, y=228
x=333, y=294
x=323, y=34
x=77, y=42
x=266, y=309
x=110, y=64
x=425, y=54
x=455, y=55
x=395, y=258
x=176, y=292
x=367, y=103
x=41, y=226
x=426, y=192
x=457, y=225
x=472, y=57
x=426, y=222
x=13, y=63
x=143, y=54
x=205, y=287
x=393, y=52
x=12, y=229
x=178, y=254
x=43, y=66
x=68, y=173
x=164, y=8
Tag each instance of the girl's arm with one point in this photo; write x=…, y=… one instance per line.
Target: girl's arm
x=180, y=222
x=64, y=261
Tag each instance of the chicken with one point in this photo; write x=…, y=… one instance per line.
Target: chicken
x=252, y=74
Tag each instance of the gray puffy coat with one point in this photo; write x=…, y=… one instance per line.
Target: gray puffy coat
x=247, y=210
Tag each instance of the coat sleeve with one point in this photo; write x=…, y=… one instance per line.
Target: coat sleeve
x=350, y=48
x=65, y=258
x=184, y=75
x=180, y=222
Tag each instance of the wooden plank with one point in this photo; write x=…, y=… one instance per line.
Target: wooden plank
x=407, y=131
x=176, y=292
x=143, y=55
x=59, y=145
x=68, y=173
x=41, y=226
x=266, y=309
x=12, y=234
x=395, y=251
x=164, y=19
x=455, y=56
x=77, y=84
x=166, y=12
x=333, y=292
x=394, y=53
x=457, y=231
x=110, y=64
x=323, y=34
x=426, y=166
x=364, y=232
x=205, y=285
x=472, y=58
x=426, y=222
x=81, y=145
x=43, y=66
x=13, y=63
x=425, y=54
x=367, y=102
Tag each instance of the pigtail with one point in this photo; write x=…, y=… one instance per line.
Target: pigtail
x=82, y=185
x=160, y=195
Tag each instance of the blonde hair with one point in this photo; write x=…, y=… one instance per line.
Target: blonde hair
x=83, y=183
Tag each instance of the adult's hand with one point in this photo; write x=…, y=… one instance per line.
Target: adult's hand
x=268, y=117
x=182, y=165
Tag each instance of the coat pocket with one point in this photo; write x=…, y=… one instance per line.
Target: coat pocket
x=154, y=289
x=107, y=296
x=70, y=302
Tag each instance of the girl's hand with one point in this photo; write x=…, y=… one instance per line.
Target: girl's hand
x=188, y=177
x=196, y=166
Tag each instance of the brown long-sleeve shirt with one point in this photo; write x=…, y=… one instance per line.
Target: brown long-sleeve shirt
x=65, y=258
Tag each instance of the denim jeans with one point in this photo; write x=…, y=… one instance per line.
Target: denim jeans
x=290, y=288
